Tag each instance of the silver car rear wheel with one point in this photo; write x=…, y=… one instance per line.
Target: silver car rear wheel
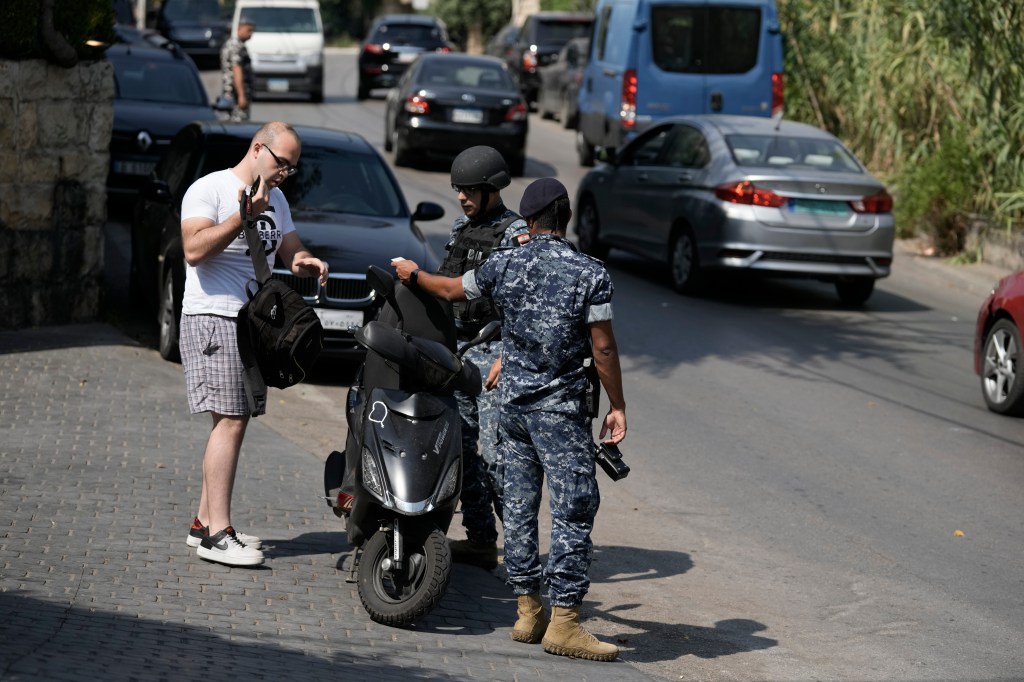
x=684, y=267
x=1000, y=382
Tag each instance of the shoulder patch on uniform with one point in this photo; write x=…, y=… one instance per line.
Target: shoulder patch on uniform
x=522, y=239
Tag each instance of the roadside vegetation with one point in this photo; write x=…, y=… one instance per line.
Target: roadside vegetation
x=928, y=93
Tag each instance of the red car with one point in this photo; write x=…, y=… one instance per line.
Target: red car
x=997, y=346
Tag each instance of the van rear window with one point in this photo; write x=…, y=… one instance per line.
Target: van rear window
x=561, y=32
x=689, y=39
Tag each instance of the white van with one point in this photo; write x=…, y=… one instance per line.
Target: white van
x=287, y=47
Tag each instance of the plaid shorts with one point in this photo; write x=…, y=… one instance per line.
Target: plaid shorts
x=213, y=368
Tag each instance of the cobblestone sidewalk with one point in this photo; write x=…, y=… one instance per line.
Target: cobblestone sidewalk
x=99, y=478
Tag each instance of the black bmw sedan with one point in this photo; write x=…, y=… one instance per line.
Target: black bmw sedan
x=346, y=204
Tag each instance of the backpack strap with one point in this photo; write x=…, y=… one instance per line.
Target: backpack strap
x=255, y=386
x=252, y=237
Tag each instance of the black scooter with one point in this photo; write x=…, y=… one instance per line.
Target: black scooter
x=403, y=456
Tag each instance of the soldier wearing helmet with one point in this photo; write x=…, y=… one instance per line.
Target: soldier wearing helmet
x=478, y=175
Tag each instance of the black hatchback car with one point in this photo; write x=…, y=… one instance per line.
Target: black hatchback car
x=347, y=206
x=542, y=36
x=393, y=43
x=448, y=102
x=157, y=91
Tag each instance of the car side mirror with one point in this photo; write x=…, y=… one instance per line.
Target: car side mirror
x=428, y=210
x=157, y=190
x=608, y=155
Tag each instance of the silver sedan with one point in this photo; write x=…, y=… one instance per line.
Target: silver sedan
x=704, y=193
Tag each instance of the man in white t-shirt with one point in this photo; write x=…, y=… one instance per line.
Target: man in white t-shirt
x=218, y=266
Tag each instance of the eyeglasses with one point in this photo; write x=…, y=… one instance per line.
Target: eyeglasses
x=282, y=165
x=466, y=189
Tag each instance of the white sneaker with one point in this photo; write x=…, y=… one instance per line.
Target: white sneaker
x=197, y=532
x=226, y=548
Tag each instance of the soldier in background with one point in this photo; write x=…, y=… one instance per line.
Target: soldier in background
x=236, y=71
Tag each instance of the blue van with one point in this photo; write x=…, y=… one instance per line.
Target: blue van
x=655, y=58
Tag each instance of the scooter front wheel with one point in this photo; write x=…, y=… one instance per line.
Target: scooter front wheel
x=399, y=597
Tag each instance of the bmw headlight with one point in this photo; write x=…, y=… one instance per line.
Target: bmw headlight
x=373, y=479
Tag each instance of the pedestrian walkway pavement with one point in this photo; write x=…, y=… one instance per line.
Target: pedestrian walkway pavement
x=100, y=467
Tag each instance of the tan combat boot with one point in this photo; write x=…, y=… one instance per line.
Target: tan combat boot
x=532, y=620
x=566, y=637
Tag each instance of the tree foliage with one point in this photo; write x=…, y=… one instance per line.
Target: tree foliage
x=927, y=92
x=77, y=21
x=472, y=22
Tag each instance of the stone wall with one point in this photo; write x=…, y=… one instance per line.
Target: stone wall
x=55, y=127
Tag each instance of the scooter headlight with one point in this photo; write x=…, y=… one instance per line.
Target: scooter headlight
x=373, y=479
x=451, y=483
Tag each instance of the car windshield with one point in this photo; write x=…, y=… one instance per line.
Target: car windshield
x=779, y=150
x=281, y=19
x=335, y=181
x=201, y=11
x=560, y=32
x=450, y=72
x=158, y=81
x=329, y=180
x=414, y=34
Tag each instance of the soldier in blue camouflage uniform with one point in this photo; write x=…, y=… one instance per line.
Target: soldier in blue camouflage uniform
x=556, y=306
x=479, y=174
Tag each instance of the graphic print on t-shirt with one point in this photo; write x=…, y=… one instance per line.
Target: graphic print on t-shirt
x=267, y=229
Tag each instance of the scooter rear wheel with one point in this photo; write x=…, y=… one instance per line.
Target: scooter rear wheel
x=399, y=598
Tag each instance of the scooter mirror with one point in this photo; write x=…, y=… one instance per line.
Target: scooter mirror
x=489, y=331
x=381, y=281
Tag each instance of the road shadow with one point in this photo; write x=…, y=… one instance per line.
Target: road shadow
x=44, y=640
x=613, y=564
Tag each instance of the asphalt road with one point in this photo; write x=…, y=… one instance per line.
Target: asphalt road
x=817, y=492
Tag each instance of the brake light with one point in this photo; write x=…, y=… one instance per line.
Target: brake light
x=443, y=49
x=747, y=193
x=627, y=107
x=373, y=48
x=417, y=105
x=516, y=112
x=778, y=93
x=876, y=203
x=529, y=60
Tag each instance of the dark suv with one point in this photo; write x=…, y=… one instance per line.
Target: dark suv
x=393, y=42
x=540, y=39
x=198, y=26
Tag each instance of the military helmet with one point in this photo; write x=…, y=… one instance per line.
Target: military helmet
x=480, y=166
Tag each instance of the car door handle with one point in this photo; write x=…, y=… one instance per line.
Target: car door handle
x=643, y=177
x=611, y=73
x=684, y=177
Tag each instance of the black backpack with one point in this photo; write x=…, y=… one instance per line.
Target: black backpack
x=279, y=334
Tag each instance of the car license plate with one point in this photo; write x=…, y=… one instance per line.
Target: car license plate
x=467, y=116
x=277, y=85
x=343, y=320
x=407, y=56
x=134, y=167
x=819, y=207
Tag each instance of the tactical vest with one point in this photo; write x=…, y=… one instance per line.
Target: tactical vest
x=470, y=248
